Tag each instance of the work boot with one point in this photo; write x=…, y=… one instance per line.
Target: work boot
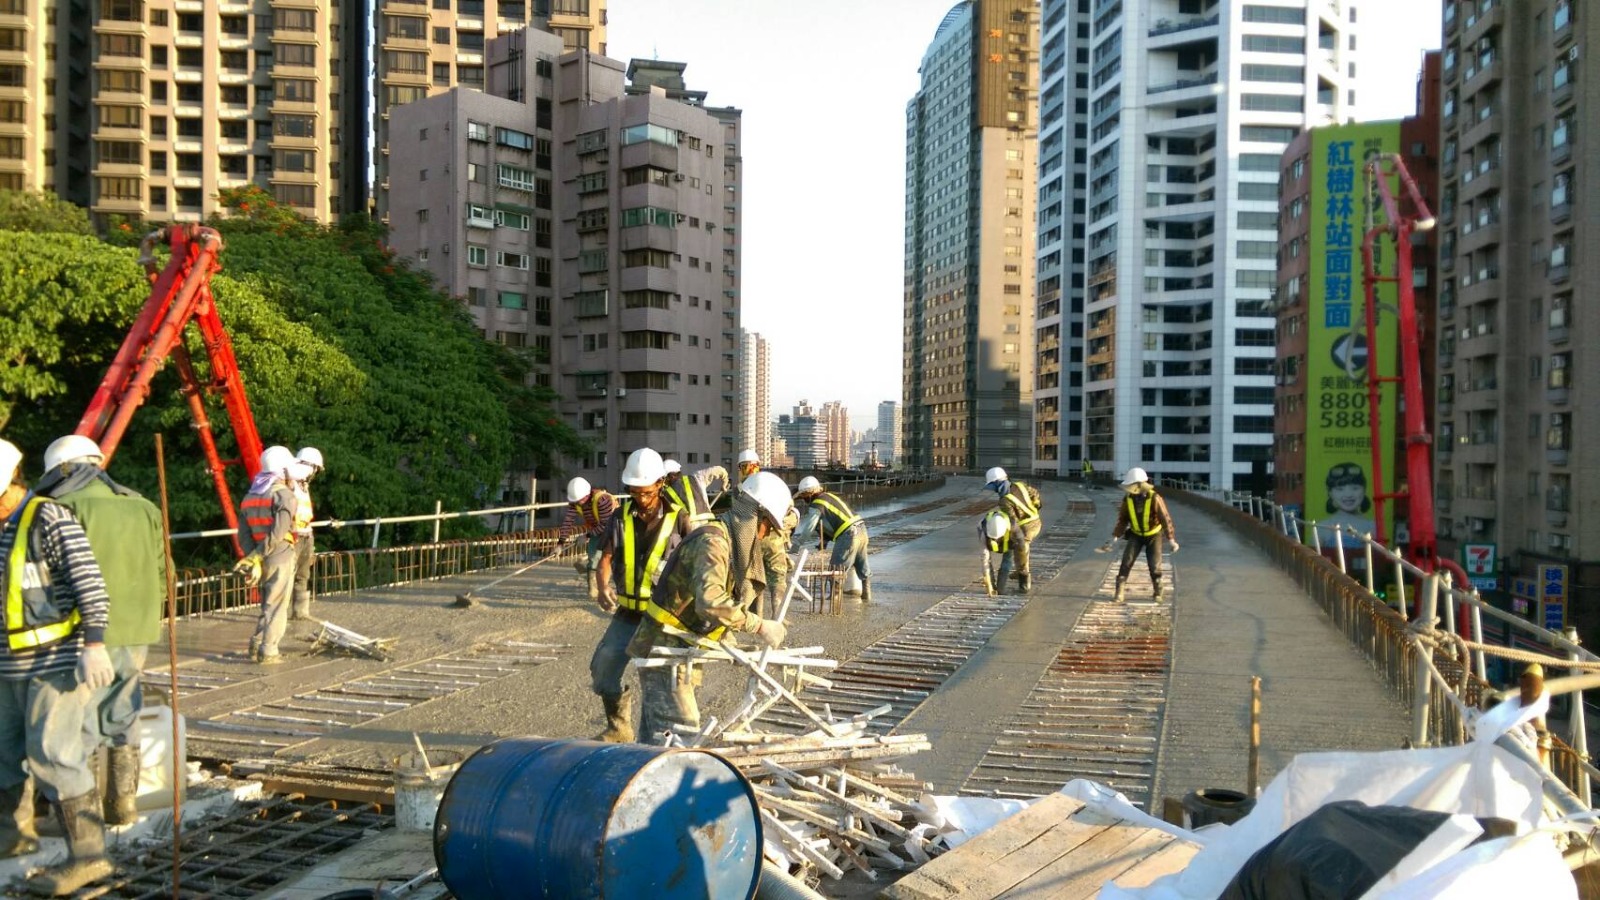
x=619, y=730
x=17, y=837
x=122, y=785
x=581, y=566
x=86, y=860
x=1024, y=583
x=866, y=590
x=1159, y=592
x=255, y=648
x=1118, y=596
x=594, y=586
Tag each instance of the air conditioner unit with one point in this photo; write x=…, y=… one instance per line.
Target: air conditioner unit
x=1479, y=526
x=599, y=421
x=682, y=216
x=677, y=176
x=622, y=392
x=1572, y=54
x=446, y=248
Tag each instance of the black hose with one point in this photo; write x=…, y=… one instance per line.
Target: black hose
x=776, y=884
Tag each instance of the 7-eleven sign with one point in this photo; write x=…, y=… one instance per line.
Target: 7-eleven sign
x=1478, y=559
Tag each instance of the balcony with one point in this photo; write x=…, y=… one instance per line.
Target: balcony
x=1476, y=236
x=1555, y=456
x=1485, y=287
x=1481, y=130
x=119, y=26
x=1560, y=212
x=1164, y=27
x=650, y=237
x=1557, y=272
x=1562, y=95
x=650, y=153
x=1477, y=24
x=1480, y=181
x=1560, y=153
x=1557, y=396
x=1481, y=77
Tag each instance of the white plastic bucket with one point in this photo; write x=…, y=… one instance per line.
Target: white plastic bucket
x=418, y=789
x=154, y=728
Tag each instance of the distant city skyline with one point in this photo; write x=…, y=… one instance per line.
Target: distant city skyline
x=814, y=279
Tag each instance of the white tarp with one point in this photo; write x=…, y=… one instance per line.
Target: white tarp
x=1475, y=780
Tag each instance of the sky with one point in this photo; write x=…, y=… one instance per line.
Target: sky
x=824, y=99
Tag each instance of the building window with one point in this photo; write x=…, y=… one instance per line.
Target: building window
x=477, y=257
x=513, y=300
x=508, y=260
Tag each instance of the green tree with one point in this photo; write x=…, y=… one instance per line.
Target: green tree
x=41, y=213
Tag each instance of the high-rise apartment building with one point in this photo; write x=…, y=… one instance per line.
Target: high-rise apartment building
x=1188, y=106
x=836, y=422
x=595, y=238
x=888, y=432
x=148, y=108
x=755, y=394
x=1516, y=457
x=969, y=283
x=426, y=47
x=804, y=436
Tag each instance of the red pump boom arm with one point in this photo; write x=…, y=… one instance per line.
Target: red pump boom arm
x=180, y=293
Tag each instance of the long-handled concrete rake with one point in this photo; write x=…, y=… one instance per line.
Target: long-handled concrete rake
x=465, y=598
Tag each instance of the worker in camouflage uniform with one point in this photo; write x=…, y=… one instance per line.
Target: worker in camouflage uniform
x=693, y=605
x=1020, y=502
x=760, y=561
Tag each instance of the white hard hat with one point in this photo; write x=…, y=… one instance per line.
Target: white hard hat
x=311, y=456
x=769, y=491
x=808, y=484
x=748, y=455
x=1135, y=475
x=577, y=489
x=995, y=475
x=671, y=466
x=69, y=448
x=996, y=525
x=10, y=459
x=276, y=459
x=644, y=468
x=300, y=470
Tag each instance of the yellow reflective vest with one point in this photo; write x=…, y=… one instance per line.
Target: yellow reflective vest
x=1023, y=512
x=683, y=492
x=1140, y=519
x=681, y=615
x=836, y=514
x=28, y=587
x=637, y=580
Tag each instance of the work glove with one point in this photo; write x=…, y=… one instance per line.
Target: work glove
x=1173, y=545
x=94, y=667
x=772, y=632
x=250, y=569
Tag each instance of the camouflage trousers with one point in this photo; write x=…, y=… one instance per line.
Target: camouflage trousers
x=667, y=699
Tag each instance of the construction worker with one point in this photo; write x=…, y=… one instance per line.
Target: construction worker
x=266, y=533
x=1088, y=470
x=843, y=528
x=759, y=562
x=693, y=606
x=688, y=492
x=1020, y=502
x=996, y=530
x=1143, y=518
x=124, y=531
x=643, y=534
x=749, y=464
x=53, y=658
x=308, y=465
x=589, y=512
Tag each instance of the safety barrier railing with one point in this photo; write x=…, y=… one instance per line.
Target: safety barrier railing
x=1436, y=663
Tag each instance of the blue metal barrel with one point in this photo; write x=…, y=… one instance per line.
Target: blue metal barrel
x=530, y=817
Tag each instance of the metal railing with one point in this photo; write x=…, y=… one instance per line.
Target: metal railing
x=1436, y=663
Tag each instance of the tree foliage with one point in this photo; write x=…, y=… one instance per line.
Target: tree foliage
x=341, y=346
x=41, y=213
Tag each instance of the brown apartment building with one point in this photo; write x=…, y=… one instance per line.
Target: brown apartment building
x=148, y=108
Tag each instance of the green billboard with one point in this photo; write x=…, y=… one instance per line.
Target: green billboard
x=1339, y=477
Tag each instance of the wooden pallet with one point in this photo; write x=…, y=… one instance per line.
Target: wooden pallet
x=1055, y=848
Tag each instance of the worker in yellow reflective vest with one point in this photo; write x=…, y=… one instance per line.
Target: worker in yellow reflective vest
x=694, y=605
x=997, y=532
x=1143, y=519
x=266, y=533
x=1020, y=502
x=53, y=658
x=828, y=513
x=690, y=492
x=643, y=533
x=308, y=465
x=589, y=512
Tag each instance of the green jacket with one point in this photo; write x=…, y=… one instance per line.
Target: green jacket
x=125, y=535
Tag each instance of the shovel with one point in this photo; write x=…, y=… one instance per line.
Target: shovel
x=465, y=598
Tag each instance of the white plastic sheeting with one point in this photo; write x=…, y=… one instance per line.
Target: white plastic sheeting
x=1475, y=780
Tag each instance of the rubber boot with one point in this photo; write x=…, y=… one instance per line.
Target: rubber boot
x=1159, y=593
x=122, y=785
x=1118, y=597
x=86, y=860
x=866, y=590
x=17, y=837
x=594, y=585
x=1024, y=583
x=619, y=730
